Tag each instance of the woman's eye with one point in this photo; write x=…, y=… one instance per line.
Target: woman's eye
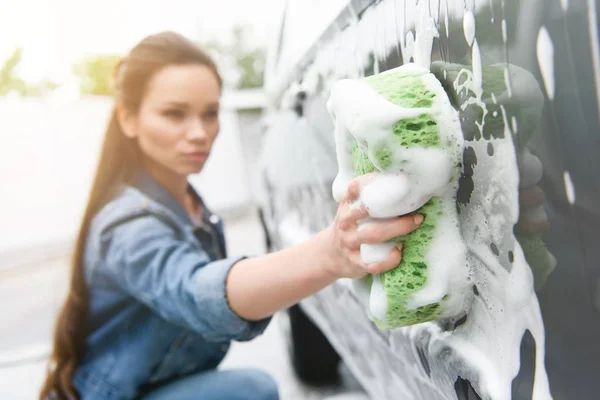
x=211, y=114
x=174, y=114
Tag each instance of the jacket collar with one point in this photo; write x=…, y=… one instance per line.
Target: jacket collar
x=157, y=192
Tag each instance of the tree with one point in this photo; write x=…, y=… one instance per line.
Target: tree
x=10, y=82
x=96, y=74
x=241, y=64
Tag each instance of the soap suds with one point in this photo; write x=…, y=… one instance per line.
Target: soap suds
x=425, y=33
x=378, y=300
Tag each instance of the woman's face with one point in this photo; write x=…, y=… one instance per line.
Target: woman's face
x=178, y=119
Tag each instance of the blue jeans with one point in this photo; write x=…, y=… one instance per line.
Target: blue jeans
x=235, y=384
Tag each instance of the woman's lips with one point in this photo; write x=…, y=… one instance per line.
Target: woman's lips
x=196, y=156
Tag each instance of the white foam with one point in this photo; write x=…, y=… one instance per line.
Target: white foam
x=507, y=306
x=446, y=20
x=378, y=300
x=426, y=31
x=477, y=70
x=469, y=26
x=425, y=174
x=409, y=49
x=447, y=273
x=369, y=118
x=374, y=253
x=472, y=81
x=564, y=4
x=569, y=187
x=489, y=342
x=545, y=57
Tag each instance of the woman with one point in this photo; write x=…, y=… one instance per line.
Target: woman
x=153, y=302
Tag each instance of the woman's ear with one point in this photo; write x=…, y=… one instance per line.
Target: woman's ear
x=128, y=122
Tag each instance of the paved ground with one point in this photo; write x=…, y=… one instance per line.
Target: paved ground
x=30, y=296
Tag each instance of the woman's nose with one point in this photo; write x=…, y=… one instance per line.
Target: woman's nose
x=196, y=131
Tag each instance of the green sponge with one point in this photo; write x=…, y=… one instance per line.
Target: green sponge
x=409, y=89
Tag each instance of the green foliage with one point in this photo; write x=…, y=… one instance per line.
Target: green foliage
x=241, y=64
x=10, y=82
x=95, y=74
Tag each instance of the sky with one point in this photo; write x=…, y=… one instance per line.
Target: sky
x=55, y=34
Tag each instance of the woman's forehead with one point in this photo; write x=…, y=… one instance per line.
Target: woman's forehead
x=195, y=85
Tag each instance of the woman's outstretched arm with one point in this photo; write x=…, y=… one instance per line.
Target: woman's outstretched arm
x=259, y=287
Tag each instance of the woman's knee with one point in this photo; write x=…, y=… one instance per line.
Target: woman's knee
x=257, y=385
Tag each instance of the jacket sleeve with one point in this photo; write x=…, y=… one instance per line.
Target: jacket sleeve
x=175, y=278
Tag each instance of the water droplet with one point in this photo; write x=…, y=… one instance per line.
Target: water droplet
x=515, y=128
x=494, y=249
x=569, y=187
x=507, y=82
x=469, y=26
x=545, y=57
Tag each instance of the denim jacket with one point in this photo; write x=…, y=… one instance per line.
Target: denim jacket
x=157, y=308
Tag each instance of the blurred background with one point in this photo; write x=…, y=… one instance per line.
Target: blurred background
x=274, y=161
x=56, y=66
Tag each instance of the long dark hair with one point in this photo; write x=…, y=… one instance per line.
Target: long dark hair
x=119, y=163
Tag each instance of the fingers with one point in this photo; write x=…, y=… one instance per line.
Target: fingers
x=531, y=197
x=353, y=190
x=382, y=230
x=391, y=262
x=356, y=213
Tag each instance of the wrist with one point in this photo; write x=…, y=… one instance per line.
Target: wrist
x=327, y=261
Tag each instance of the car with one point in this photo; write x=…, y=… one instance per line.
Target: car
x=523, y=79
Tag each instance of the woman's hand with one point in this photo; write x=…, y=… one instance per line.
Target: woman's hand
x=345, y=237
x=259, y=286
